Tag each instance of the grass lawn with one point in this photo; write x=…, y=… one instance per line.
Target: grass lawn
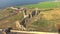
x=45, y=5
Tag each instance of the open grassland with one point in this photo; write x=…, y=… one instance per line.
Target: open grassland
x=44, y=5
x=46, y=23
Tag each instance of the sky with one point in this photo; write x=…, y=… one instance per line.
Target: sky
x=6, y=3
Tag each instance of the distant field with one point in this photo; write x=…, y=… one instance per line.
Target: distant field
x=45, y=5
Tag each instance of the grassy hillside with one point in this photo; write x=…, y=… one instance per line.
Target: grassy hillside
x=47, y=21
x=45, y=5
x=10, y=20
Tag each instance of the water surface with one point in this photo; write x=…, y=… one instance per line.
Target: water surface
x=8, y=3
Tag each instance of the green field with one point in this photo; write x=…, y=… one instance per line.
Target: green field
x=44, y=5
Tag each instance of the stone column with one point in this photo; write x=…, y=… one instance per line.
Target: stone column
x=25, y=14
x=18, y=26
x=30, y=15
x=36, y=10
x=25, y=11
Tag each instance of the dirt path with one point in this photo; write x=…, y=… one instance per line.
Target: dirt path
x=27, y=32
x=32, y=32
